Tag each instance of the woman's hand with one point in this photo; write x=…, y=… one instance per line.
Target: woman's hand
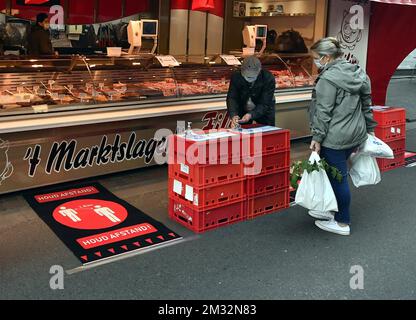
x=315, y=146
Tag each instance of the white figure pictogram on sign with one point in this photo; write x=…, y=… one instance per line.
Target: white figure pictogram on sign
x=106, y=212
x=70, y=213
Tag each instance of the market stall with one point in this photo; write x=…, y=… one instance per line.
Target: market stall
x=61, y=122
x=83, y=115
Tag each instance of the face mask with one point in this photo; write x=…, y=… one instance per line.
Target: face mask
x=319, y=64
x=250, y=79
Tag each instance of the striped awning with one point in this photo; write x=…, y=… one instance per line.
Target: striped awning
x=405, y=2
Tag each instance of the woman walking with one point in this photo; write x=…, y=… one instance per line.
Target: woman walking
x=340, y=118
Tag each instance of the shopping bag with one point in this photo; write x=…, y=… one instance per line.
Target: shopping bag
x=315, y=191
x=364, y=170
x=377, y=148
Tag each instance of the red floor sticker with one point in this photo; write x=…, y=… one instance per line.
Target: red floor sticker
x=90, y=214
x=94, y=223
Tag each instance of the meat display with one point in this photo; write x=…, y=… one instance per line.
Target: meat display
x=287, y=79
x=131, y=86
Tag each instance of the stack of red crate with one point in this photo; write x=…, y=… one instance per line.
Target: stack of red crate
x=392, y=130
x=224, y=190
x=204, y=196
x=267, y=187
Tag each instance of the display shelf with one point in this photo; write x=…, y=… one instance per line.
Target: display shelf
x=54, y=85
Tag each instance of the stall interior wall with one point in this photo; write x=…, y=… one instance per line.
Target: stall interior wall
x=196, y=32
x=312, y=27
x=391, y=40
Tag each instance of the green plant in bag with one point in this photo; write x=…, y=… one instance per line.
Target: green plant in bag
x=298, y=167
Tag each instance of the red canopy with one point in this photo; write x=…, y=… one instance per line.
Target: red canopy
x=405, y=2
x=79, y=11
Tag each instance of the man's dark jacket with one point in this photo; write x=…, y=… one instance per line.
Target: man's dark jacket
x=40, y=42
x=261, y=93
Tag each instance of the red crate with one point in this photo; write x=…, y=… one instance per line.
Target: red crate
x=215, y=195
x=398, y=146
x=208, y=219
x=267, y=203
x=267, y=183
x=205, y=175
x=390, y=133
x=390, y=164
x=268, y=163
x=212, y=151
x=390, y=116
x=271, y=142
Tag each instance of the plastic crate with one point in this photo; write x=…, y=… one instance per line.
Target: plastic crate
x=271, y=142
x=390, y=164
x=267, y=163
x=203, y=220
x=210, y=151
x=390, y=133
x=267, y=203
x=398, y=146
x=390, y=116
x=272, y=182
x=207, y=197
x=205, y=175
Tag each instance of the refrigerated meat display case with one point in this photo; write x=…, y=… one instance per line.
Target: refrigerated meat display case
x=53, y=112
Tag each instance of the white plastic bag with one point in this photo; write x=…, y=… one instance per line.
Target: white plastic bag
x=364, y=170
x=315, y=191
x=377, y=148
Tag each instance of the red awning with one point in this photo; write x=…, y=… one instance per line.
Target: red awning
x=405, y=2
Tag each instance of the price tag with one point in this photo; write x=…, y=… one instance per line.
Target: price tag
x=40, y=108
x=167, y=61
x=230, y=60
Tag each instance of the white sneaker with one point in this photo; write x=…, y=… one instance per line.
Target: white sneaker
x=333, y=226
x=324, y=215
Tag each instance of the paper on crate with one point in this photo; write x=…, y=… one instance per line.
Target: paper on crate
x=259, y=130
x=184, y=168
x=379, y=108
x=208, y=136
x=177, y=186
x=189, y=193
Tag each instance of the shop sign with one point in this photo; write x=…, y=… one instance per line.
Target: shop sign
x=44, y=157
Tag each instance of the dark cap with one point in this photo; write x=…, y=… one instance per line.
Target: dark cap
x=41, y=17
x=251, y=67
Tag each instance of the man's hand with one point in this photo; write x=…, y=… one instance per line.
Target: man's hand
x=247, y=117
x=234, y=122
x=315, y=146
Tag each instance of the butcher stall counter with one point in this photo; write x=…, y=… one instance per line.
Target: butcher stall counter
x=74, y=117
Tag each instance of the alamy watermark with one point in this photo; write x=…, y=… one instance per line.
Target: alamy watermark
x=56, y=282
x=357, y=280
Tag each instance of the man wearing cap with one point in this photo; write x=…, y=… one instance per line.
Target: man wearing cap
x=251, y=94
x=39, y=38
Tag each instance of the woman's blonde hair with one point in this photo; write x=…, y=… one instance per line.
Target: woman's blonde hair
x=328, y=47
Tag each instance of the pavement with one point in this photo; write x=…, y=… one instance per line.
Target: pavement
x=279, y=256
